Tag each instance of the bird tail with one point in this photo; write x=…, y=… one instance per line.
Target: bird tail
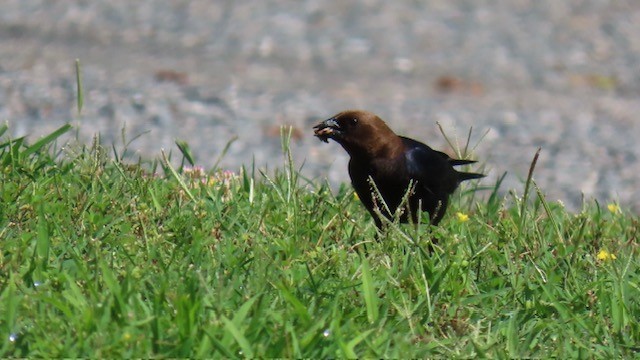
x=469, y=176
x=465, y=175
x=456, y=162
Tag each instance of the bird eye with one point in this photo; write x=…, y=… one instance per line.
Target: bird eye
x=354, y=121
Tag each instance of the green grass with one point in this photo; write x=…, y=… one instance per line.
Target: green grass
x=105, y=259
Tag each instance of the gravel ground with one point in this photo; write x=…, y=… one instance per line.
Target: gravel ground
x=562, y=75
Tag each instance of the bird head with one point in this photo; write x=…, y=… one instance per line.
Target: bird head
x=359, y=132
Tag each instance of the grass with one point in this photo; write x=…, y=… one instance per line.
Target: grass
x=100, y=258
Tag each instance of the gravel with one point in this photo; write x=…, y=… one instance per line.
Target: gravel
x=560, y=75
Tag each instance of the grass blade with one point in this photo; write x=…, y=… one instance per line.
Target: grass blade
x=526, y=189
x=239, y=337
x=298, y=306
x=219, y=346
x=43, y=242
x=224, y=151
x=186, y=151
x=349, y=348
x=3, y=128
x=550, y=215
x=243, y=311
x=369, y=292
x=177, y=176
x=45, y=140
x=80, y=98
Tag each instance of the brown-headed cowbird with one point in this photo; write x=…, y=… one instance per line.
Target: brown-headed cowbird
x=393, y=163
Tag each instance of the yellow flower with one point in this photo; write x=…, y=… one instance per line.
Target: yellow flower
x=462, y=217
x=604, y=255
x=613, y=208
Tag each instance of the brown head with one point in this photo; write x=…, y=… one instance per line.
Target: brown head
x=361, y=134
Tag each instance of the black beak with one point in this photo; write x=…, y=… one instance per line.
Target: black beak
x=327, y=129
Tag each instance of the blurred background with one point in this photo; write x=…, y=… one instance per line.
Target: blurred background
x=563, y=75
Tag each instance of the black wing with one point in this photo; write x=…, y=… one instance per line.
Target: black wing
x=430, y=168
x=423, y=154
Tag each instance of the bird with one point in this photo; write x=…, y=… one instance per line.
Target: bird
x=385, y=168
